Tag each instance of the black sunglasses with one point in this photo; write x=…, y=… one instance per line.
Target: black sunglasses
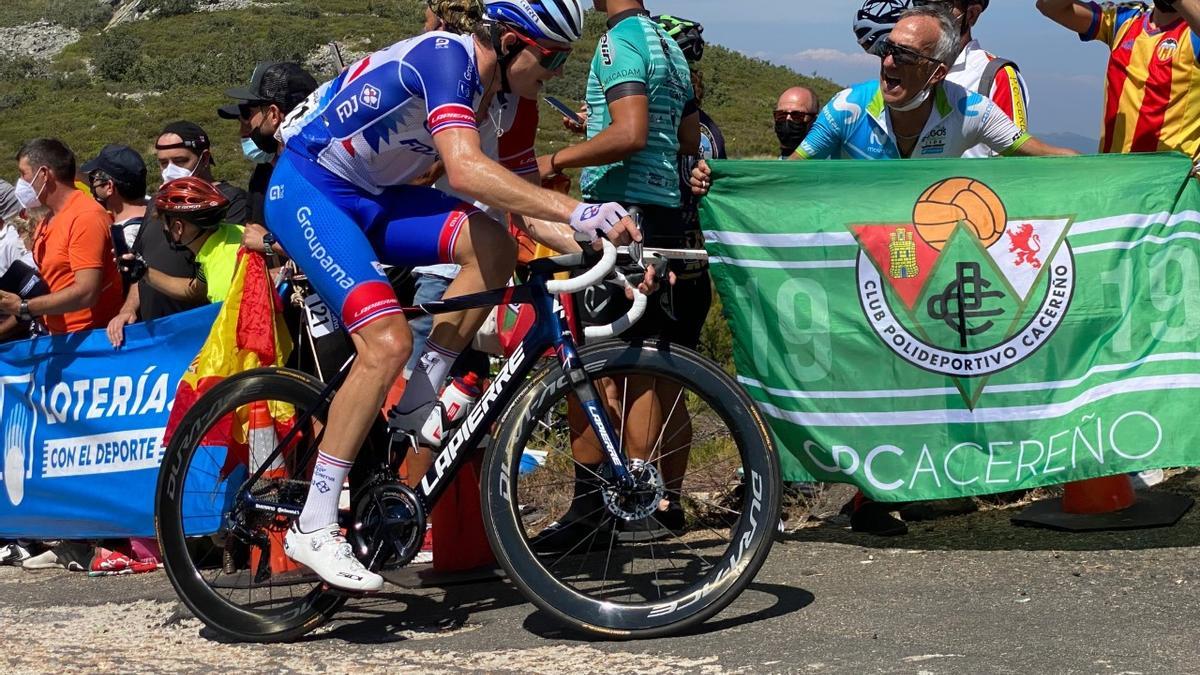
x=903, y=56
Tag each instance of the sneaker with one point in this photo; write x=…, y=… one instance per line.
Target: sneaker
x=574, y=536
x=64, y=556
x=668, y=522
x=327, y=553
x=425, y=555
x=1143, y=480
x=13, y=554
x=144, y=566
x=108, y=563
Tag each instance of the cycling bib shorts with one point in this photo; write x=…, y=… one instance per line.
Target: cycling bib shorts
x=339, y=234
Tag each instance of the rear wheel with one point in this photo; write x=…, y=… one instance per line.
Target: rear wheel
x=664, y=556
x=225, y=561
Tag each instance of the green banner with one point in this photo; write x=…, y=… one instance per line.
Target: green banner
x=937, y=328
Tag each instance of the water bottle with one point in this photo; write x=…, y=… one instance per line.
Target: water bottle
x=456, y=401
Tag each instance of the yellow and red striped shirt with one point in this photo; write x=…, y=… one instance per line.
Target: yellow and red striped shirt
x=1152, y=95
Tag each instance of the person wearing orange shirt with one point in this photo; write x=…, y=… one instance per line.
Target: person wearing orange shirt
x=1153, y=87
x=72, y=248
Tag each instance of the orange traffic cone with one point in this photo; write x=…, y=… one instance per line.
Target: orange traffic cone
x=1106, y=503
x=262, y=440
x=1099, y=495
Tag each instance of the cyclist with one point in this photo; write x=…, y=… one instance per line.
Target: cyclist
x=641, y=116
x=979, y=71
x=339, y=204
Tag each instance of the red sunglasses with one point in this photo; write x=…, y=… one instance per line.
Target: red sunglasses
x=553, y=58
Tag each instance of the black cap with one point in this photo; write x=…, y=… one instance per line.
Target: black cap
x=193, y=136
x=284, y=83
x=121, y=162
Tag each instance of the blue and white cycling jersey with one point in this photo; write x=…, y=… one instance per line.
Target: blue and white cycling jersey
x=373, y=125
x=855, y=125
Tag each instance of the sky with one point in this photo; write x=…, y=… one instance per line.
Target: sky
x=1065, y=76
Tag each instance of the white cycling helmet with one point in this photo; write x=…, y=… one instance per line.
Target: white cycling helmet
x=876, y=20
x=557, y=20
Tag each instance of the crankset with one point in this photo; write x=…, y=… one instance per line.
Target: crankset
x=389, y=525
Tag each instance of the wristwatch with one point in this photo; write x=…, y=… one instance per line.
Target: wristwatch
x=23, y=313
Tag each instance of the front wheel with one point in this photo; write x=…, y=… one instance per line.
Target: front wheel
x=649, y=561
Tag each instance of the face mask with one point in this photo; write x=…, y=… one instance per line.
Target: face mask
x=791, y=134
x=918, y=100
x=28, y=197
x=264, y=141
x=175, y=172
x=253, y=153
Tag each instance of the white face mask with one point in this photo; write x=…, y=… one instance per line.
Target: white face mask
x=25, y=193
x=918, y=100
x=175, y=172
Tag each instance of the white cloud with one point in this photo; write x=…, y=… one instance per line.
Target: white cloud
x=830, y=56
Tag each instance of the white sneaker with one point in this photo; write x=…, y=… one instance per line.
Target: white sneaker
x=13, y=554
x=327, y=553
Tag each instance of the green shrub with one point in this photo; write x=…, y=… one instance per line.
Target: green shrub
x=18, y=68
x=115, y=54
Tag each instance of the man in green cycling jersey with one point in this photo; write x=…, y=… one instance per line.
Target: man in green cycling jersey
x=641, y=116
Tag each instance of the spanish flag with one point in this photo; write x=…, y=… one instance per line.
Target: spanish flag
x=249, y=333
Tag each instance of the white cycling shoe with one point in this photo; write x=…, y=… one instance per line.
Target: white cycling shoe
x=327, y=553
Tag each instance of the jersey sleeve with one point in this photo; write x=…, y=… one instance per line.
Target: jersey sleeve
x=1009, y=94
x=825, y=137
x=517, y=146
x=441, y=72
x=997, y=131
x=620, y=59
x=90, y=241
x=1108, y=18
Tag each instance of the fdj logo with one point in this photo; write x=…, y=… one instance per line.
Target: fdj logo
x=19, y=428
x=370, y=97
x=963, y=290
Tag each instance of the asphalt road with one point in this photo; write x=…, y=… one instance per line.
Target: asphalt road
x=970, y=594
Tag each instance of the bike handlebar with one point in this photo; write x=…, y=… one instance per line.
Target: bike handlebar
x=597, y=275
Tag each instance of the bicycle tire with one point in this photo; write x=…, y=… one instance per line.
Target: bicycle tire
x=231, y=621
x=748, y=546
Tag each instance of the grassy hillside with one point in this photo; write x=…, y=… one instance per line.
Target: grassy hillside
x=123, y=84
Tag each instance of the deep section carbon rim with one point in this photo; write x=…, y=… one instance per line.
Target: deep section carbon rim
x=650, y=561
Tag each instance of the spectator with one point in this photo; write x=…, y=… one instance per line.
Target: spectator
x=917, y=56
x=184, y=149
x=193, y=212
x=915, y=60
x=794, y=116
x=979, y=71
x=1153, y=70
x=117, y=177
x=275, y=89
x=72, y=248
x=18, y=274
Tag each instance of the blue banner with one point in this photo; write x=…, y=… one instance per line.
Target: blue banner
x=83, y=423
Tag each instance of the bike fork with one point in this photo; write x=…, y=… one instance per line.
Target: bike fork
x=589, y=398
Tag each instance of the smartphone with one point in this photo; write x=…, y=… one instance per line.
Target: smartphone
x=564, y=109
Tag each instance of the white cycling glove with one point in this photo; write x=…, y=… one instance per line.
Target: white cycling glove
x=588, y=218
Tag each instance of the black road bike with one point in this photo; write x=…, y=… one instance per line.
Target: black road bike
x=222, y=505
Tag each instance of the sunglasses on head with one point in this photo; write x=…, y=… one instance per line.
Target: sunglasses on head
x=552, y=58
x=903, y=56
x=795, y=116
